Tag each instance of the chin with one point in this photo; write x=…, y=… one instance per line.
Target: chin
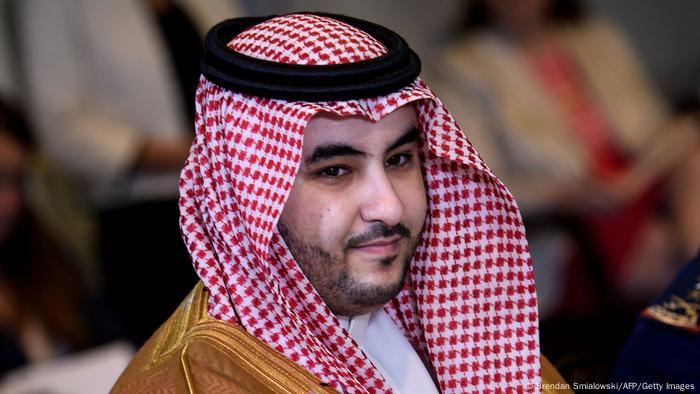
x=379, y=272
x=370, y=291
x=383, y=279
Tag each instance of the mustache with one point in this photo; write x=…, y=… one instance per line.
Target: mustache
x=376, y=232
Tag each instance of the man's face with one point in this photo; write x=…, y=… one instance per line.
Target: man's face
x=356, y=211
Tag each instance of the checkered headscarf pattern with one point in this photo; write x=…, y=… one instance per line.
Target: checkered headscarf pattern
x=307, y=39
x=469, y=301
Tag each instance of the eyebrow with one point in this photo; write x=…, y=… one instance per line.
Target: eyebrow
x=408, y=137
x=325, y=152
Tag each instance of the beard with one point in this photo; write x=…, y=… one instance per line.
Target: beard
x=344, y=293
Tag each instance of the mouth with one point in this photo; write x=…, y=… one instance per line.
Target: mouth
x=384, y=246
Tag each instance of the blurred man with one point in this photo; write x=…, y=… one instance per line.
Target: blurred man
x=347, y=235
x=663, y=347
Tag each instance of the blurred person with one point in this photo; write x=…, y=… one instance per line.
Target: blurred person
x=561, y=109
x=346, y=234
x=45, y=308
x=664, y=345
x=111, y=87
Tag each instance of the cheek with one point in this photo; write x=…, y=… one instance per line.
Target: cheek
x=320, y=219
x=329, y=227
x=414, y=200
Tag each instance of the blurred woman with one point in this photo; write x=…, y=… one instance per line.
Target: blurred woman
x=562, y=111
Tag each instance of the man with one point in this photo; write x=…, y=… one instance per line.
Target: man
x=662, y=350
x=336, y=214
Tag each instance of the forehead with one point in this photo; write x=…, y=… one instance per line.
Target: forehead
x=326, y=128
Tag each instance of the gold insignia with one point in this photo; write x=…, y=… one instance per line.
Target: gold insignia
x=676, y=312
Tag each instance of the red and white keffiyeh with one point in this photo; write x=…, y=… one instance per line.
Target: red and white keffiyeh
x=469, y=301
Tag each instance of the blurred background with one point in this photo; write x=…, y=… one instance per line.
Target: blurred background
x=587, y=110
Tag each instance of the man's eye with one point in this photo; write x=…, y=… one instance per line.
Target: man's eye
x=333, y=172
x=399, y=160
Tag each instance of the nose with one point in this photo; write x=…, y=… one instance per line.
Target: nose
x=381, y=202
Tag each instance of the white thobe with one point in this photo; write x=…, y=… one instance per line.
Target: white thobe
x=390, y=352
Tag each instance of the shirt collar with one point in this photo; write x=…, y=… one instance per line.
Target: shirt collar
x=356, y=326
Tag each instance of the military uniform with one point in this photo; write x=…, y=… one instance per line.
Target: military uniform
x=665, y=344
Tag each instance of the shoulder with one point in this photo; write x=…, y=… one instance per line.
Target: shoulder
x=552, y=381
x=597, y=34
x=596, y=26
x=665, y=342
x=192, y=351
x=473, y=49
x=478, y=59
x=678, y=306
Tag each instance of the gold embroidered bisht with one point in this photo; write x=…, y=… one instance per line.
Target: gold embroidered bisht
x=194, y=353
